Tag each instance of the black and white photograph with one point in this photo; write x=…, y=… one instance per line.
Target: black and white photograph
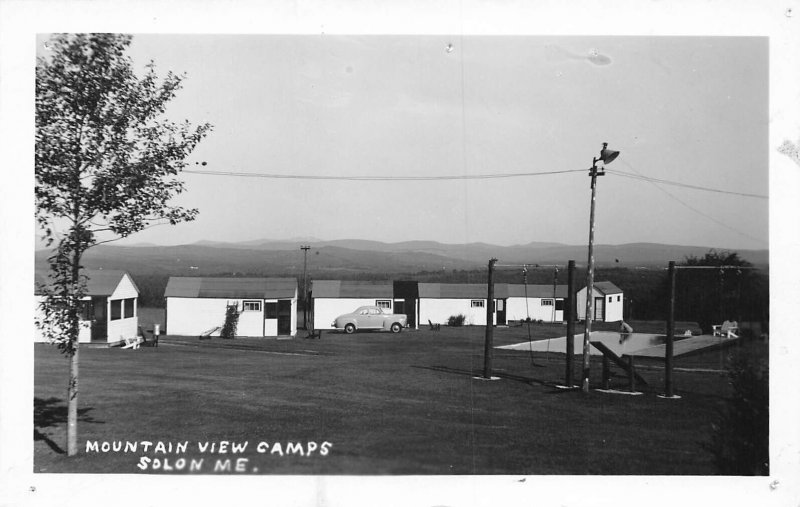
x=333, y=254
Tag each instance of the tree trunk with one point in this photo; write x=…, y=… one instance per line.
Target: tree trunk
x=75, y=330
x=72, y=403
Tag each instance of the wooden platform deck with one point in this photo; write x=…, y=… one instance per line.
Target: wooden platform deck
x=686, y=346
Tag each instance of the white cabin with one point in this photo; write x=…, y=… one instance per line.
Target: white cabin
x=197, y=305
x=608, y=302
x=110, y=310
x=331, y=298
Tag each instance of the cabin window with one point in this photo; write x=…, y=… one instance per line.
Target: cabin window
x=270, y=310
x=116, y=309
x=559, y=304
x=129, y=308
x=618, y=298
x=610, y=299
x=251, y=306
x=477, y=303
x=384, y=304
x=547, y=302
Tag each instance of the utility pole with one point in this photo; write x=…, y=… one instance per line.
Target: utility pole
x=606, y=156
x=305, y=249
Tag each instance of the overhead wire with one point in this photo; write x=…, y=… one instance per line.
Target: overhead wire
x=380, y=178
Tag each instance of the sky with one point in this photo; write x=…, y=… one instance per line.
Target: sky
x=692, y=110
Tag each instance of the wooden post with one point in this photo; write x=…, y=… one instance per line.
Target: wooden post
x=488, y=346
x=631, y=375
x=670, y=333
x=571, y=307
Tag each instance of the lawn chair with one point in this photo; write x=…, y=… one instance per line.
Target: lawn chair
x=131, y=343
x=434, y=327
x=727, y=329
x=145, y=342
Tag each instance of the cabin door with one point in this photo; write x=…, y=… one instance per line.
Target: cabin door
x=599, y=308
x=284, y=317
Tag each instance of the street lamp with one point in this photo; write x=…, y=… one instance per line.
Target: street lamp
x=606, y=157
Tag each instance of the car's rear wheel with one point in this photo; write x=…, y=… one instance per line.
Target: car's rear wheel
x=349, y=329
x=396, y=327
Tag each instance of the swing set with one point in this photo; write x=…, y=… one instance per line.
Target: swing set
x=729, y=293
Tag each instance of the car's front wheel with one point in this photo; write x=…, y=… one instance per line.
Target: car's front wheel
x=349, y=329
x=396, y=327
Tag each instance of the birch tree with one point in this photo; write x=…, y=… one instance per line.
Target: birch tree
x=106, y=166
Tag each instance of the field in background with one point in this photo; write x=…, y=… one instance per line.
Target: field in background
x=387, y=404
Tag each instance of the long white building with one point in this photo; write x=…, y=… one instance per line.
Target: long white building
x=197, y=305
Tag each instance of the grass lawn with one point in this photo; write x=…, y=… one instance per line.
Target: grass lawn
x=383, y=403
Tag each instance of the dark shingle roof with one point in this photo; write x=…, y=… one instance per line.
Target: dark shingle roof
x=351, y=289
x=239, y=288
x=453, y=290
x=101, y=282
x=607, y=288
x=517, y=290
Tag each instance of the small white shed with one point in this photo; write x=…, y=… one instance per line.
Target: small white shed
x=331, y=298
x=439, y=301
x=608, y=302
x=109, y=314
x=266, y=306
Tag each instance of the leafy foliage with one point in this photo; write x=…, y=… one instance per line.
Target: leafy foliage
x=740, y=438
x=456, y=320
x=105, y=166
x=231, y=323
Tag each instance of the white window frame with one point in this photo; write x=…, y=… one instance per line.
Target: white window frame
x=384, y=304
x=547, y=302
x=477, y=303
x=255, y=302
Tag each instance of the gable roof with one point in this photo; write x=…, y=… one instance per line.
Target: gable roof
x=606, y=288
x=100, y=282
x=351, y=289
x=237, y=288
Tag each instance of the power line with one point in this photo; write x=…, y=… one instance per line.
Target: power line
x=692, y=208
x=380, y=178
x=684, y=185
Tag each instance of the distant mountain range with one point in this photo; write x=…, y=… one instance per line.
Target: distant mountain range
x=371, y=257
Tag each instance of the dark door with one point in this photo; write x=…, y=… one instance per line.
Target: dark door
x=97, y=315
x=284, y=316
x=501, y=312
x=599, y=309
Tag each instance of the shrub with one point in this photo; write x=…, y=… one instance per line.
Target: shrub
x=740, y=438
x=456, y=320
x=231, y=323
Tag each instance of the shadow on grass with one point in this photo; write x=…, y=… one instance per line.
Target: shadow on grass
x=53, y=412
x=500, y=374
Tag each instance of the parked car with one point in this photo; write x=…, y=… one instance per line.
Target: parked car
x=370, y=317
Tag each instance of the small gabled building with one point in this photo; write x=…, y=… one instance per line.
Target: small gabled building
x=518, y=302
x=109, y=312
x=608, y=302
x=331, y=298
x=197, y=305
